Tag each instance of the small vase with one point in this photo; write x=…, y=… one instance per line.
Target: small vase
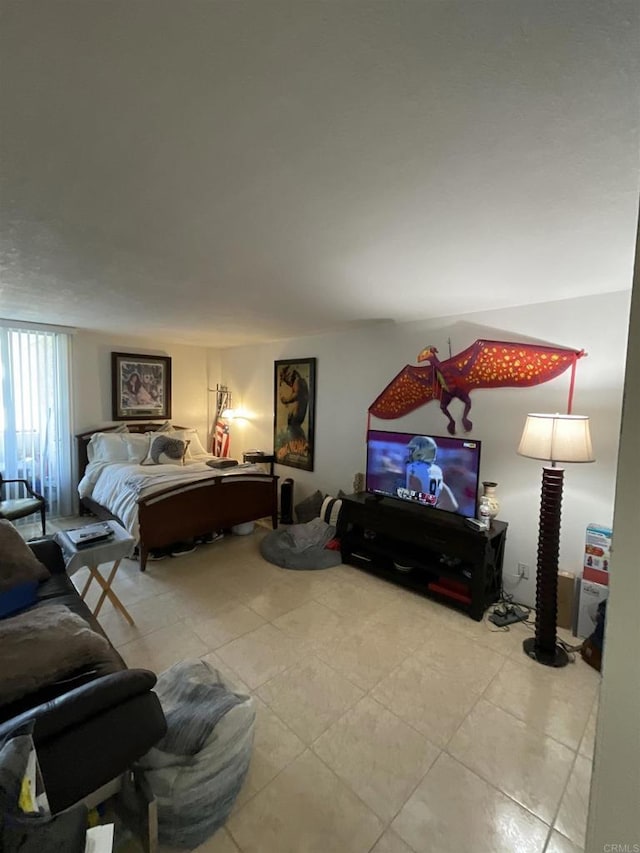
x=490, y=498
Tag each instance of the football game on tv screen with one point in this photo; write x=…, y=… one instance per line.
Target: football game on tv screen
x=432, y=471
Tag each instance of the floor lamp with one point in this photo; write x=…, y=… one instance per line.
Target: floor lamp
x=552, y=438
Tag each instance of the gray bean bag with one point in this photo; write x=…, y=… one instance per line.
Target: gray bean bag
x=197, y=769
x=301, y=546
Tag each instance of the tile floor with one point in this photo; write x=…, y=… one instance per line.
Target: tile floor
x=385, y=722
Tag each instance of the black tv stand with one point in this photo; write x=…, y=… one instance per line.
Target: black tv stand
x=427, y=550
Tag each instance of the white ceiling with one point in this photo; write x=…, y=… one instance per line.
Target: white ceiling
x=224, y=173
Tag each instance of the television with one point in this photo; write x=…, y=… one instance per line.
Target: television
x=428, y=470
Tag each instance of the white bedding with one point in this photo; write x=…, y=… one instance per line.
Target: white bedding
x=118, y=485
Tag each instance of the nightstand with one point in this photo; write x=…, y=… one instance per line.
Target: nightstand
x=261, y=458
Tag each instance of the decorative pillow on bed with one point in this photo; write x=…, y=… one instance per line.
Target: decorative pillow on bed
x=121, y=428
x=165, y=427
x=108, y=447
x=164, y=449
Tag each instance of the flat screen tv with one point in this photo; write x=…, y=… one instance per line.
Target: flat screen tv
x=428, y=470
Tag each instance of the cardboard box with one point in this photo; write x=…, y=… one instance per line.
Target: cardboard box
x=591, y=594
x=597, y=553
x=566, y=584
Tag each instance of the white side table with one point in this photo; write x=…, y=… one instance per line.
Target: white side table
x=115, y=549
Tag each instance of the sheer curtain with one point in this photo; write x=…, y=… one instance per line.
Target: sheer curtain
x=35, y=411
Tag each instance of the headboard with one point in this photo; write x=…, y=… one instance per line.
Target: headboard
x=83, y=439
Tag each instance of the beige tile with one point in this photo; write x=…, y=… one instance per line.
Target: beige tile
x=274, y=747
x=227, y=624
x=305, y=809
x=559, y=844
x=405, y=628
x=356, y=599
x=220, y=842
x=577, y=676
x=391, y=843
x=587, y=743
x=313, y=583
x=545, y=704
x=160, y=649
x=507, y=641
x=453, y=655
x=378, y=755
x=366, y=655
x=430, y=701
x=315, y=623
x=572, y=817
x=149, y=615
x=453, y=810
x=196, y=603
x=309, y=697
x=261, y=654
x=522, y=762
x=277, y=599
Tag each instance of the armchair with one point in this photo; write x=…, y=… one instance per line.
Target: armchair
x=14, y=508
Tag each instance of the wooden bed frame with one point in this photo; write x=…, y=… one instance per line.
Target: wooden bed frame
x=191, y=509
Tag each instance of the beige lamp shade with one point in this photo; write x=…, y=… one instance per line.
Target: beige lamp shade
x=557, y=438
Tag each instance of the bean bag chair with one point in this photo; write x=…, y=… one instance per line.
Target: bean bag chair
x=197, y=770
x=301, y=546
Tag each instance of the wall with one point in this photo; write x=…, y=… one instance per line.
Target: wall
x=354, y=366
x=614, y=817
x=91, y=374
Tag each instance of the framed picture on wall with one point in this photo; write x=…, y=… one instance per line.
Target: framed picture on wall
x=141, y=386
x=294, y=412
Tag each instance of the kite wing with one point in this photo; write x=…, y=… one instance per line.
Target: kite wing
x=410, y=389
x=498, y=364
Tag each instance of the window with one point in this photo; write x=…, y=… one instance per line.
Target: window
x=35, y=412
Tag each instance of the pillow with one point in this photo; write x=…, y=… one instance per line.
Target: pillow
x=310, y=507
x=121, y=428
x=43, y=645
x=330, y=510
x=195, y=447
x=165, y=450
x=107, y=447
x=165, y=427
x=18, y=563
x=137, y=447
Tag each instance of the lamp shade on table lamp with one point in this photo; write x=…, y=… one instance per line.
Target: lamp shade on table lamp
x=552, y=438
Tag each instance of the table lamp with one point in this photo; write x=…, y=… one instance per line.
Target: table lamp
x=552, y=438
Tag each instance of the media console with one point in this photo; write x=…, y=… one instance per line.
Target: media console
x=429, y=551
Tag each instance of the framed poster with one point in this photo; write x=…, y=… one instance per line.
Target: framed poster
x=294, y=412
x=141, y=386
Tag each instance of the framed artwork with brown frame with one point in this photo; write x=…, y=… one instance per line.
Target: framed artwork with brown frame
x=140, y=386
x=294, y=406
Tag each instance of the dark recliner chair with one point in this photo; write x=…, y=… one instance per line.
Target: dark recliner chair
x=93, y=725
x=14, y=508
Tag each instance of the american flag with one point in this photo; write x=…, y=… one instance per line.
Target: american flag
x=221, y=438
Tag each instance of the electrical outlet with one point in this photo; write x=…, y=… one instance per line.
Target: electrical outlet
x=523, y=571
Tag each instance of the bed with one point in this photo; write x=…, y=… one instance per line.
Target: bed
x=162, y=504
